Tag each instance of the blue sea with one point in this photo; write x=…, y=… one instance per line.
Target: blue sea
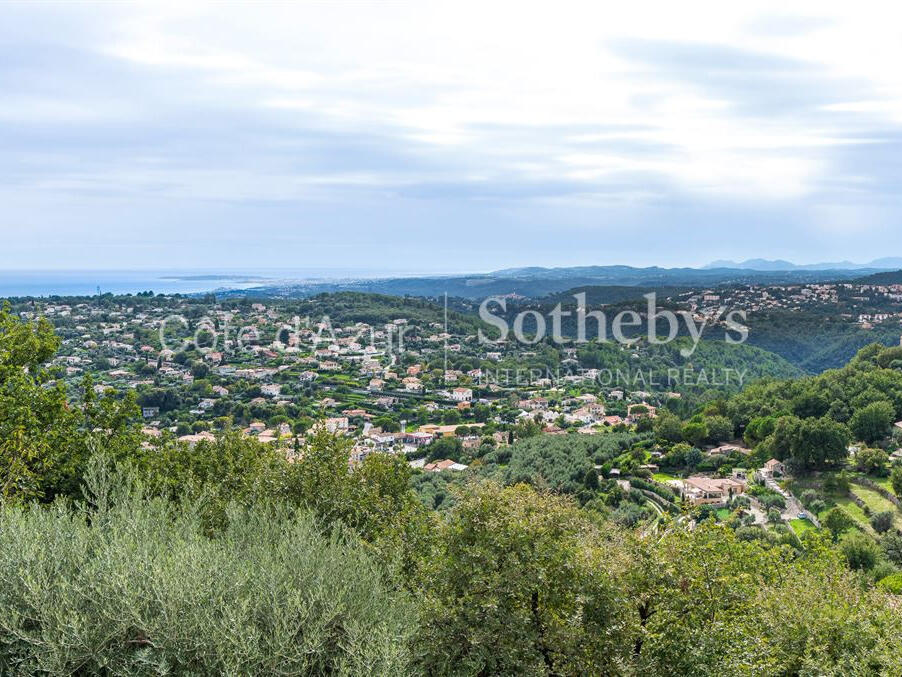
x=15, y=283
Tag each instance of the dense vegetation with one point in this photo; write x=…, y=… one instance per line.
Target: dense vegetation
x=117, y=558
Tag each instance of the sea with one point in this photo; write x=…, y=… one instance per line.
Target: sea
x=42, y=283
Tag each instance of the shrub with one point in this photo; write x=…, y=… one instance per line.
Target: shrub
x=135, y=586
x=859, y=550
x=882, y=521
x=892, y=583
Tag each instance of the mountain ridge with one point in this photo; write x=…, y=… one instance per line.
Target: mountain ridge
x=772, y=265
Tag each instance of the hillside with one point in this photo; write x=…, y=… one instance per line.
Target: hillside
x=538, y=282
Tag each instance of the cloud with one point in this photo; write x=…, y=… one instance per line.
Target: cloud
x=307, y=123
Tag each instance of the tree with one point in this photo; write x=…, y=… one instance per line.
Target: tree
x=518, y=582
x=695, y=432
x=860, y=551
x=668, y=427
x=871, y=461
x=45, y=442
x=873, y=422
x=837, y=521
x=818, y=443
x=758, y=430
x=891, y=543
x=445, y=447
x=720, y=428
x=270, y=575
x=895, y=478
x=810, y=404
x=693, y=458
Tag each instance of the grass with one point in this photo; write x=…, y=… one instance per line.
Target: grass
x=872, y=499
x=852, y=509
x=884, y=483
x=800, y=526
x=722, y=514
x=876, y=502
x=663, y=477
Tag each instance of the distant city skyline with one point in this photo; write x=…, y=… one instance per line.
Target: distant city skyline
x=447, y=137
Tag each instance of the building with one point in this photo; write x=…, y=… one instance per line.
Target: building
x=462, y=395
x=337, y=424
x=711, y=490
x=773, y=467
x=447, y=464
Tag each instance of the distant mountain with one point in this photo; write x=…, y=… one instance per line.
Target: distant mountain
x=888, y=263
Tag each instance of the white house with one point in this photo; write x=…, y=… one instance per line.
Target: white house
x=462, y=395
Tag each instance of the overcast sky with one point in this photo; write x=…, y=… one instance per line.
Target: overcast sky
x=448, y=136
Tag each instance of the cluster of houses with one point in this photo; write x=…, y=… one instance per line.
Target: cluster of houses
x=261, y=357
x=864, y=304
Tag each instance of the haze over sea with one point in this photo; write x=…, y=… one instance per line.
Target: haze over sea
x=14, y=283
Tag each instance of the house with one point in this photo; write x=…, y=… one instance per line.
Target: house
x=773, y=467
x=711, y=490
x=728, y=449
x=150, y=412
x=191, y=440
x=412, y=384
x=447, y=464
x=446, y=430
x=635, y=411
x=462, y=395
x=337, y=424
x=418, y=439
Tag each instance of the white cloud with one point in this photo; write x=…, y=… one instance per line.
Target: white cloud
x=634, y=103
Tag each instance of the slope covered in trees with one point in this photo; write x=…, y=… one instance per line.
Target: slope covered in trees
x=118, y=558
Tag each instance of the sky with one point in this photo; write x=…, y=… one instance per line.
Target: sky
x=448, y=137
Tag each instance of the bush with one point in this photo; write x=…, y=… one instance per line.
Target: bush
x=892, y=547
x=135, y=586
x=882, y=521
x=859, y=550
x=664, y=492
x=892, y=583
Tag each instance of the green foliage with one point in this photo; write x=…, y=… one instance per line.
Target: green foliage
x=558, y=462
x=720, y=428
x=896, y=479
x=810, y=443
x=872, y=422
x=518, y=584
x=891, y=543
x=695, y=432
x=668, y=427
x=44, y=440
x=837, y=521
x=871, y=461
x=860, y=551
x=892, y=583
x=136, y=587
x=445, y=447
x=864, y=393
x=882, y=521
